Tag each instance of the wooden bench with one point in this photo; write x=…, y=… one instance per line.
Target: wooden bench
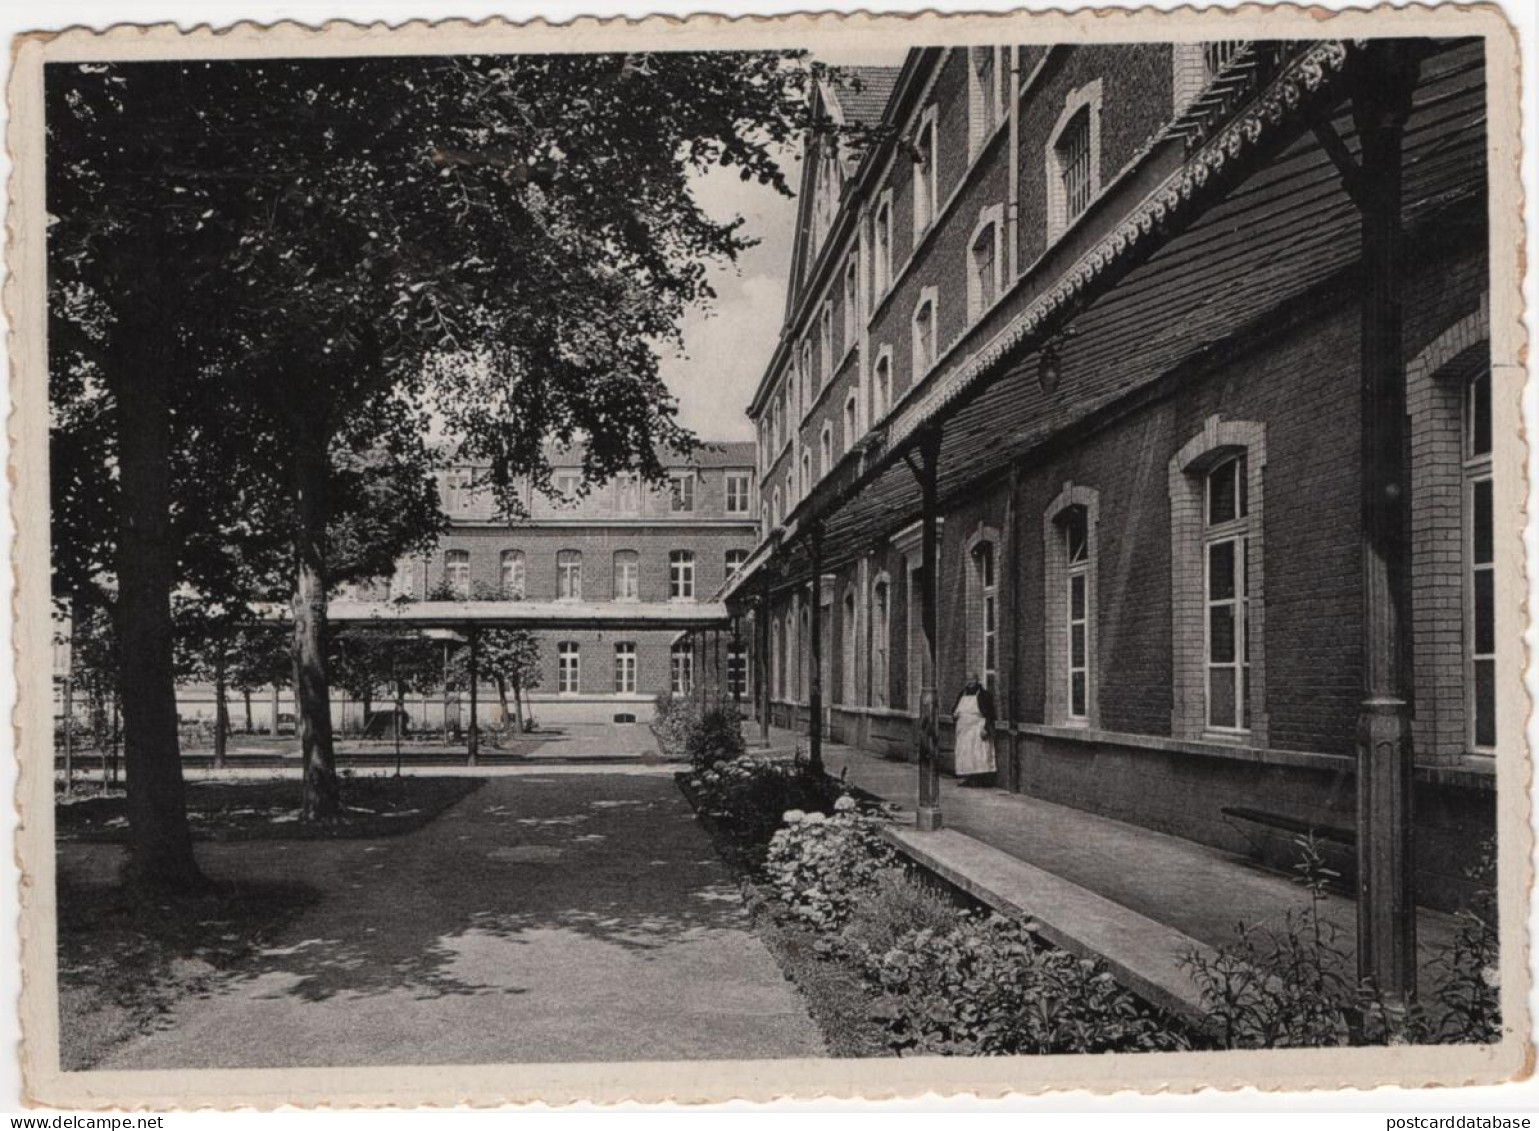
x=1334, y=833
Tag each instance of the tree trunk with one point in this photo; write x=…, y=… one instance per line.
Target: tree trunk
x=322, y=799
x=246, y=695
x=518, y=703
x=502, y=699
x=221, y=710
x=160, y=843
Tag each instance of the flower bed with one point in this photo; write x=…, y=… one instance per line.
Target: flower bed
x=888, y=958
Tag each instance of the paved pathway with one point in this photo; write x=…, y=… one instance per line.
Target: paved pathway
x=1198, y=890
x=547, y=917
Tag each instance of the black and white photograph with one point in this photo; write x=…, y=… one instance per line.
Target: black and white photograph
x=733, y=559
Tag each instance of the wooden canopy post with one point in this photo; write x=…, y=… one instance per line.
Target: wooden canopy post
x=928, y=816
x=815, y=656
x=735, y=648
x=1386, y=886
x=474, y=738
x=761, y=631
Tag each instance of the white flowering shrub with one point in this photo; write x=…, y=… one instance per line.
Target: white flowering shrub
x=819, y=866
x=747, y=796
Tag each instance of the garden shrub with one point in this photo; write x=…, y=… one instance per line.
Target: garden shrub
x=715, y=735
x=820, y=865
x=896, y=904
x=674, y=719
x=988, y=986
x=748, y=797
x=1296, y=987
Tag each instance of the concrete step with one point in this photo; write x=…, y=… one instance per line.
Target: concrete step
x=1141, y=954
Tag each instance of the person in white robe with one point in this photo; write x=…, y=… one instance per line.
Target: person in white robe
x=974, y=718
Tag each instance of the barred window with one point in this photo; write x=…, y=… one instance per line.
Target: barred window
x=1074, y=158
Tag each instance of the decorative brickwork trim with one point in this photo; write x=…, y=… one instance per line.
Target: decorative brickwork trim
x=1054, y=613
x=1434, y=403
x=1217, y=440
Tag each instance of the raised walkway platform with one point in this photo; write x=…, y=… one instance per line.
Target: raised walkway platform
x=1138, y=898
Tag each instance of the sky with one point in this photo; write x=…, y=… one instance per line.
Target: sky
x=728, y=345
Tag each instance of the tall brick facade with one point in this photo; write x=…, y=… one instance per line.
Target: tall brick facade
x=1183, y=723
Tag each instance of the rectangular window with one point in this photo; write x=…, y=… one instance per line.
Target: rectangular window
x=567, y=485
x=924, y=175
x=851, y=303
x=628, y=493
x=625, y=668
x=880, y=621
x=882, y=394
x=924, y=339
x=626, y=575
x=986, y=68
x=1228, y=636
x=825, y=347
x=569, y=575
x=457, y=492
x=682, y=492
x=682, y=668
x=985, y=269
x=1480, y=581
x=457, y=573
x=737, y=670
x=989, y=612
x=1076, y=537
x=737, y=492
x=513, y=575
x=681, y=575
x=735, y=560
x=568, y=668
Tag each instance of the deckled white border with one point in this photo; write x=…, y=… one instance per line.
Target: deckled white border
x=694, y=1082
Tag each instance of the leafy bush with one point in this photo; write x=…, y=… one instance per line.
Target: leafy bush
x=673, y=721
x=1297, y=987
x=988, y=986
x=896, y=904
x=748, y=796
x=819, y=866
x=714, y=735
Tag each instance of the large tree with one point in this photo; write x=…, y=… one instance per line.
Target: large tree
x=336, y=248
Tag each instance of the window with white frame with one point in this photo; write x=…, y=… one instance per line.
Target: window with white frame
x=627, y=575
x=849, y=649
x=1076, y=610
x=402, y=581
x=512, y=574
x=987, y=612
x=881, y=386
x=681, y=491
x=881, y=248
x=826, y=449
x=881, y=622
x=737, y=492
x=851, y=421
x=924, y=334
x=569, y=575
x=568, y=484
x=457, y=492
x=625, y=667
x=804, y=402
x=734, y=561
x=1074, y=159
x=1480, y=579
x=682, y=668
x=1226, y=582
x=457, y=573
x=681, y=575
x=925, y=184
x=987, y=91
x=825, y=347
x=737, y=669
x=628, y=491
x=568, y=668
x=851, y=302
x=983, y=264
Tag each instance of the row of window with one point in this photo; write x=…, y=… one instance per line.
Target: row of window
x=459, y=491
x=1225, y=549
x=569, y=573
x=681, y=665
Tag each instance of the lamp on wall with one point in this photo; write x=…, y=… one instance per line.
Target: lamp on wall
x=1049, y=368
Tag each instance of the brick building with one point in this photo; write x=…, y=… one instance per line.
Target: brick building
x=619, y=542
x=1111, y=297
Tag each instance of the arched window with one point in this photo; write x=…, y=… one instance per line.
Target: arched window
x=777, y=511
x=568, y=668
x=849, y=651
x=926, y=188
x=457, y=573
x=569, y=575
x=987, y=94
x=881, y=391
x=851, y=421
x=984, y=263
x=826, y=449
x=881, y=630
x=881, y=248
x=1073, y=159
x=627, y=575
x=1069, y=591
x=681, y=575
x=513, y=575
x=924, y=334
x=806, y=483
x=804, y=653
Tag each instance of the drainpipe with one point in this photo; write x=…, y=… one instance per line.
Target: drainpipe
x=1013, y=193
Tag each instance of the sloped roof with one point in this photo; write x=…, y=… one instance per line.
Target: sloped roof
x=865, y=106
